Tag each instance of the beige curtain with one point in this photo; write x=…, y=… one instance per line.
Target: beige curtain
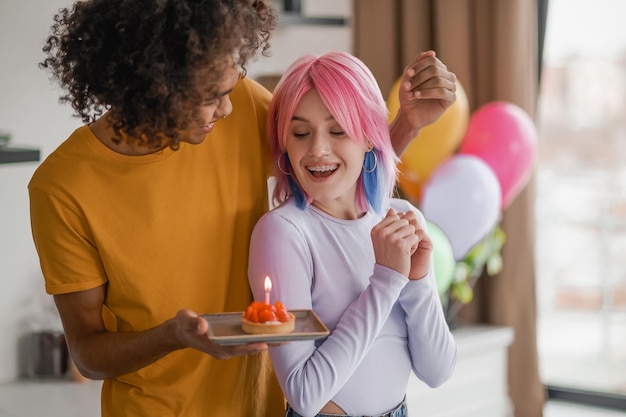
x=491, y=45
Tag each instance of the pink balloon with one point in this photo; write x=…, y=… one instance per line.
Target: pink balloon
x=462, y=197
x=505, y=137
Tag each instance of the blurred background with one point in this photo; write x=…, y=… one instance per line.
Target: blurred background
x=581, y=197
x=579, y=203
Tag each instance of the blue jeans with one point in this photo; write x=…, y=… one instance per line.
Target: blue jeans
x=400, y=411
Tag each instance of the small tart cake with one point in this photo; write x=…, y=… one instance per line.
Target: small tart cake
x=273, y=327
x=261, y=318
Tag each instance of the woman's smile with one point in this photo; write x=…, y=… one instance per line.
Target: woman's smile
x=322, y=170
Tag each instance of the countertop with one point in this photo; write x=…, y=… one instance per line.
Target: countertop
x=50, y=398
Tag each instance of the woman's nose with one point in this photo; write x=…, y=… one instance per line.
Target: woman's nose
x=319, y=147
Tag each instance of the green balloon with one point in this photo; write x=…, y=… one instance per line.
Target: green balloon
x=443, y=256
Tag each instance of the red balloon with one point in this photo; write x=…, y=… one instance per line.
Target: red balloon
x=505, y=137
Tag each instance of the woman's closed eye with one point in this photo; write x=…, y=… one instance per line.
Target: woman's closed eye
x=303, y=135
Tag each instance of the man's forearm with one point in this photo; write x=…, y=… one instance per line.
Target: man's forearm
x=402, y=133
x=107, y=354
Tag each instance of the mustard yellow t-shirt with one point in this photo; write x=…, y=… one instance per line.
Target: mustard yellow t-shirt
x=165, y=231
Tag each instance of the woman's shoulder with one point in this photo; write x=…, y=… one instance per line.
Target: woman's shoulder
x=286, y=211
x=288, y=217
x=285, y=222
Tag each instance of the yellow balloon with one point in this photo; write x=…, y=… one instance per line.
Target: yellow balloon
x=433, y=144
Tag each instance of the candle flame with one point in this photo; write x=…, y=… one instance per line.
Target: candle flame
x=268, y=284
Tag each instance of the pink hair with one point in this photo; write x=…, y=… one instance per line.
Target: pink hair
x=351, y=94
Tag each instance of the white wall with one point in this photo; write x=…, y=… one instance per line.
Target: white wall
x=29, y=109
x=289, y=42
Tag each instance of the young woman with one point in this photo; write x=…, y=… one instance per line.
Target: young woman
x=338, y=243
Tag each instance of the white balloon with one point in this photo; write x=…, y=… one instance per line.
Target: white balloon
x=463, y=198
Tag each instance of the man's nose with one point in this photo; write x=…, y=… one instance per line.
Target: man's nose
x=225, y=107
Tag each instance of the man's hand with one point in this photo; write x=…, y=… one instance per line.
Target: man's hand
x=426, y=90
x=191, y=331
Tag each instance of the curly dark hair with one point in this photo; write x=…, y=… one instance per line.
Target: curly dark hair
x=151, y=63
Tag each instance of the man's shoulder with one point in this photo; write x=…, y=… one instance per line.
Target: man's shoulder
x=249, y=89
x=64, y=160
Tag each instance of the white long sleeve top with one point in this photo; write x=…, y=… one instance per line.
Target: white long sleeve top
x=382, y=324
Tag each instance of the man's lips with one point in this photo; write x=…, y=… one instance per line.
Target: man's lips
x=209, y=126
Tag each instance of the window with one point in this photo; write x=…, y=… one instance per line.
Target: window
x=581, y=197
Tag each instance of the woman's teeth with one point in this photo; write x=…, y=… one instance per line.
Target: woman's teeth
x=322, y=170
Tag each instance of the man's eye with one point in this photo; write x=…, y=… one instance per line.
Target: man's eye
x=211, y=99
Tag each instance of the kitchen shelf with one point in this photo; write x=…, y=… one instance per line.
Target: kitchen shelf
x=295, y=18
x=11, y=154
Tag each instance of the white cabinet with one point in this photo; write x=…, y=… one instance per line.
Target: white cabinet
x=478, y=386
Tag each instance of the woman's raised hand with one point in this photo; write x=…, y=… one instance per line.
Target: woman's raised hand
x=395, y=240
x=422, y=255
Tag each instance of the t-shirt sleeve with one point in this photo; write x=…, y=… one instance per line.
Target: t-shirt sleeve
x=312, y=373
x=68, y=257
